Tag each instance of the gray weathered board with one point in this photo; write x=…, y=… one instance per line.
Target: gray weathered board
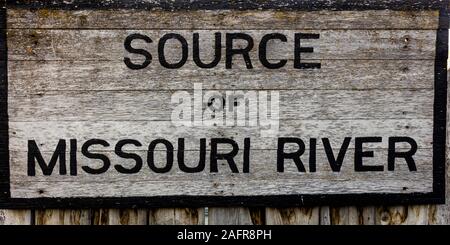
x=64, y=78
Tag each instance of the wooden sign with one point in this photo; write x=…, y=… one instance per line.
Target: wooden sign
x=205, y=103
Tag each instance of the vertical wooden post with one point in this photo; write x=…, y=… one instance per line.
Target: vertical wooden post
x=339, y=215
x=15, y=217
x=325, y=218
x=235, y=216
x=418, y=215
x=402, y=215
x=77, y=217
x=119, y=217
x=293, y=216
x=366, y=215
x=177, y=216
x=352, y=215
x=62, y=217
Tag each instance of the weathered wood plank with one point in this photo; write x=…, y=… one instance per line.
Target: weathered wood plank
x=177, y=216
x=210, y=187
x=263, y=145
x=366, y=215
x=77, y=217
x=120, y=217
x=176, y=5
x=219, y=185
x=159, y=106
x=100, y=216
x=41, y=44
x=146, y=131
x=115, y=76
x=402, y=215
x=391, y=215
x=49, y=217
x=339, y=215
x=258, y=216
x=223, y=183
x=232, y=19
x=62, y=217
x=229, y=216
x=15, y=217
x=439, y=214
x=325, y=218
x=128, y=216
x=352, y=215
x=418, y=215
x=361, y=215
x=293, y=216
x=263, y=167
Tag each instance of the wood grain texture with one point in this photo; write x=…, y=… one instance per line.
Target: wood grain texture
x=62, y=217
x=402, y=215
x=15, y=217
x=115, y=76
x=259, y=168
x=159, y=106
x=339, y=216
x=232, y=19
x=293, y=216
x=42, y=44
x=193, y=188
x=255, y=183
x=144, y=131
x=398, y=179
x=233, y=216
x=177, y=5
x=325, y=218
x=120, y=217
x=352, y=215
x=366, y=215
x=177, y=216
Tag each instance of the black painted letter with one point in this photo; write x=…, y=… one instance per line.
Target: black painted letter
x=281, y=155
x=246, y=165
x=408, y=155
x=184, y=51
x=169, y=156
x=85, y=151
x=47, y=169
x=263, y=50
x=360, y=154
x=145, y=53
x=336, y=163
x=119, y=152
x=312, y=154
x=223, y=156
x=201, y=162
x=217, y=51
x=299, y=49
x=73, y=157
x=230, y=37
